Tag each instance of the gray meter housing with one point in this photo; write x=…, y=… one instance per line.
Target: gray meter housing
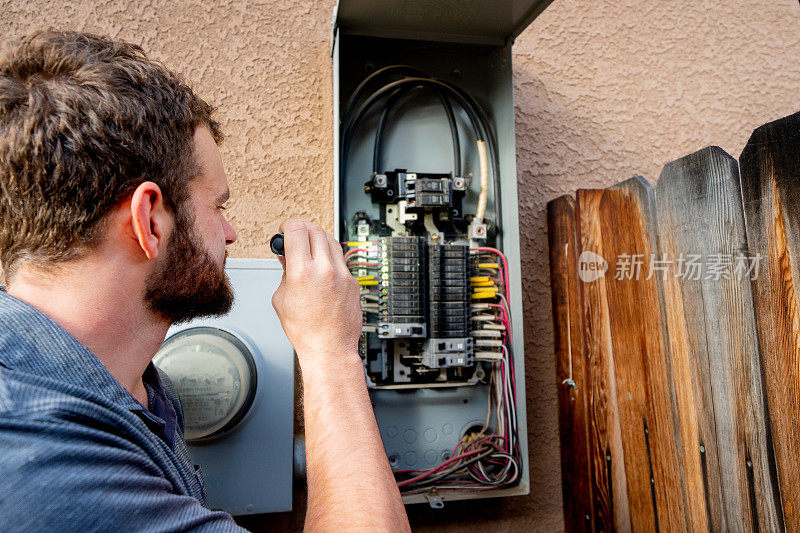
x=235, y=375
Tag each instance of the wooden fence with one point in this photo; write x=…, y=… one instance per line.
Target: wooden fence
x=677, y=335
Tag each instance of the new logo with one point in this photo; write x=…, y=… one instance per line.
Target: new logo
x=591, y=266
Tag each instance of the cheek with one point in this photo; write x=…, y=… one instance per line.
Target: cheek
x=216, y=235
x=211, y=233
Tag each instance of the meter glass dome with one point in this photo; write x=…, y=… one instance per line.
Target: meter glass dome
x=215, y=376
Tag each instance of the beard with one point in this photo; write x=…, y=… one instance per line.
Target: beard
x=188, y=284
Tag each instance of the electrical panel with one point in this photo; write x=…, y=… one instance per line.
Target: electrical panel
x=427, y=210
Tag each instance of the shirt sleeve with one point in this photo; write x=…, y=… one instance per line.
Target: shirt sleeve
x=60, y=475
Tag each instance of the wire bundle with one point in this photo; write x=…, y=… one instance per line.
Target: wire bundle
x=488, y=458
x=411, y=80
x=361, y=259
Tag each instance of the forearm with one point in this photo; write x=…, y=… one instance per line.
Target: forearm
x=350, y=483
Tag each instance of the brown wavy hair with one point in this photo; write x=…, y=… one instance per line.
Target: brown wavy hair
x=85, y=119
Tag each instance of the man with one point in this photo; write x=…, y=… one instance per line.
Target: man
x=112, y=228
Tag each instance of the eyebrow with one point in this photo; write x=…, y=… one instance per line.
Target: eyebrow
x=224, y=197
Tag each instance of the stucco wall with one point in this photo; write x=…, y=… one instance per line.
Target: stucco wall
x=603, y=90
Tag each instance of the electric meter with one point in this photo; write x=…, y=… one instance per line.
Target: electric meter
x=215, y=376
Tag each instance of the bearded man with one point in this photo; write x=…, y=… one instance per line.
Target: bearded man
x=112, y=228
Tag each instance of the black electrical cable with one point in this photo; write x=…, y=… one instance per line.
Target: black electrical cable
x=350, y=124
x=475, y=113
x=356, y=96
x=451, y=120
x=375, y=75
x=391, y=101
x=387, y=108
x=492, y=146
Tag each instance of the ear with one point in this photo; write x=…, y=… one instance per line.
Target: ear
x=149, y=218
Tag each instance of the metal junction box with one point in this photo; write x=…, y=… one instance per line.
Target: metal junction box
x=468, y=44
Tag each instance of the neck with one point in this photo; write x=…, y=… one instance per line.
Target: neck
x=102, y=307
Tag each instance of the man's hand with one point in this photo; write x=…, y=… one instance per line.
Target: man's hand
x=350, y=483
x=318, y=299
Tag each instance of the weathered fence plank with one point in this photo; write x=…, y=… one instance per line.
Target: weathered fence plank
x=713, y=345
x=770, y=173
x=570, y=364
x=606, y=458
x=645, y=399
x=691, y=383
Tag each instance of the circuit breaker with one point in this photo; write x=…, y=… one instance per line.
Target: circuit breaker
x=426, y=206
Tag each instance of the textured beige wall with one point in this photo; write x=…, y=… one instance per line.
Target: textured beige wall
x=603, y=90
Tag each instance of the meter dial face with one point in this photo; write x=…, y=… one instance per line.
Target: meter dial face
x=215, y=376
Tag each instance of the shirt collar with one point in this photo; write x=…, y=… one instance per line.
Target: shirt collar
x=161, y=411
x=32, y=342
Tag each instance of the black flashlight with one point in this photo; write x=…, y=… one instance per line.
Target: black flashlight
x=276, y=244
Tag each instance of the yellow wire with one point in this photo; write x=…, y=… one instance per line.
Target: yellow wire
x=479, y=295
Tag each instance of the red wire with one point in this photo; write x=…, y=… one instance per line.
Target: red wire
x=505, y=266
x=437, y=468
x=505, y=318
x=354, y=250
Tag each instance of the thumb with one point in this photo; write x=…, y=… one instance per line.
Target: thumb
x=277, y=300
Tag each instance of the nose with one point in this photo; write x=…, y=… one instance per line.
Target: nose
x=230, y=233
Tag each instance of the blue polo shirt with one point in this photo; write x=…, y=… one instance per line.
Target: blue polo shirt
x=77, y=451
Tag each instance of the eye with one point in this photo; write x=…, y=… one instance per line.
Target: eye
x=222, y=207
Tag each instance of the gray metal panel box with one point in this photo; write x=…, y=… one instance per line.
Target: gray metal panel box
x=470, y=44
x=249, y=470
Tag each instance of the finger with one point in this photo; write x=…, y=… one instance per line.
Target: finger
x=320, y=250
x=337, y=256
x=282, y=261
x=295, y=242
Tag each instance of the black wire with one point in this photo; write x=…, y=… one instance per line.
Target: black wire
x=350, y=126
x=492, y=148
x=391, y=101
x=387, y=108
x=451, y=119
x=363, y=85
x=351, y=103
x=478, y=119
